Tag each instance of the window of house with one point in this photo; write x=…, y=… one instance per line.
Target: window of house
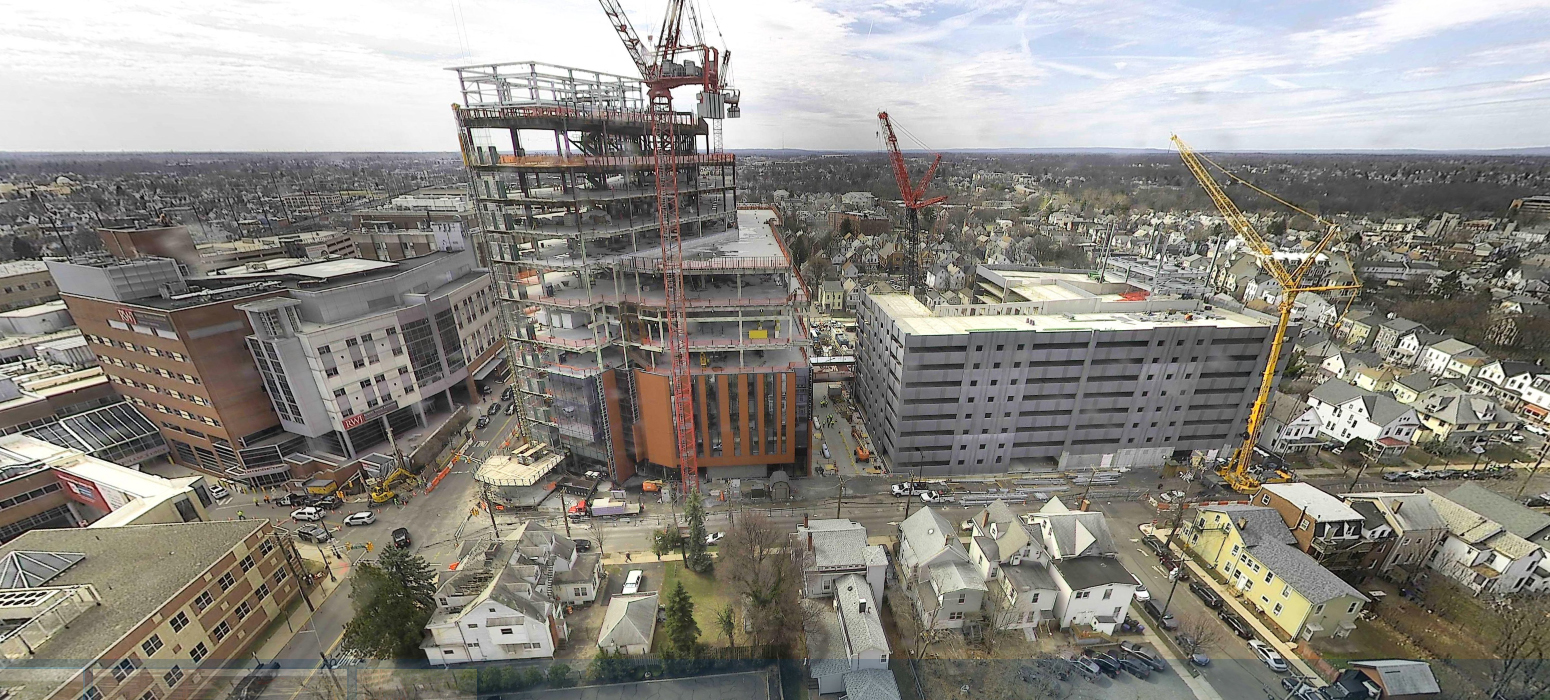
x=226, y=581
x=262, y=592
x=1318, y=609
x=91, y=693
x=220, y=631
x=1286, y=591
x=1268, y=575
x=1276, y=610
x=243, y=610
x=279, y=575
x=199, y=652
x=1107, y=592
x=246, y=563
x=955, y=615
x=179, y=621
x=125, y=668
x=962, y=597
x=172, y=676
x=1352, y=610
x=151, y=645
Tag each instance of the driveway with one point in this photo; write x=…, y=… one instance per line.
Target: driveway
x=654, y=571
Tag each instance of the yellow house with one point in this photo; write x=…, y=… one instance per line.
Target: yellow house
x=1251, y=549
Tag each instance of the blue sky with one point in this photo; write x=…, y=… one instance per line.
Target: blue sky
x=368, y=74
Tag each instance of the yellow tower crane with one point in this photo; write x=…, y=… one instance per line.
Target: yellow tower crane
x=1238, y=473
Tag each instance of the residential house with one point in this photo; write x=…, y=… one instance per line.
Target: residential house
x=1263, y=288
x=1092, y=586
x=832, y=548
x=831, y=296
x=1386, y=340
x=1446, y=358
x=504, y=599
x=1015, y=566
x=1344, y=365
x=1349, y=413
x=1250, y=547
x=1400, y=271
x=1407, y=352
x=629, y=624
x=1325, y=527
x=1312, y=309
x=1290, y=425
x=1400, y=679
x=1505, y=380
x=1459, y=419
x=1481, y=555
x=1379, y=379
x=1536, y=399
x=846, y=636
x=1355, y=329
x=943, y=586
x=1415, y=530
x=1513, y=516
x=1408, y=388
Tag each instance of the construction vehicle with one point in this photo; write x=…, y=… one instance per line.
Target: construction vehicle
x=672, y=64
x=914, y=197
x=862, y=453
x=1239, y=471
x=382, y=490
x=651, y=485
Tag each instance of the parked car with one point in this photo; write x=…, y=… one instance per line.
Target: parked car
x=1396, y=476
x=484, y=389
x=507, y=393
x=1157, y=546
x=1236, y=624
x=935, y=497
x=218, y=492
x=1108, y=663
x=907, y=488
x=328, y=502
x=1419, y=475
x=1146, y=655
x=511, y=410
x=401, y=537
x=364, y=517
x=1515, y=438
x=1539, y=501
x=1165, y=621
x=294, y=500
x=583, y=545
x=482, y=423
x=633, y=581
x=308, y=514
x=714, y=538
x=1200, y=659
x=1135, y=667
x=1271, y=657
x=1204, y=592
x=1086, y=666
x=1447, y=474
x=313, y=533
x=1535, y=429
x=1142, y=594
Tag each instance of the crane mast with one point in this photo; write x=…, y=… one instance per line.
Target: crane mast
x=662, y=71
x=914, y=200
x=1239, y=473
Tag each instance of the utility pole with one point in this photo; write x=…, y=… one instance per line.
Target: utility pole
x=1178, y=571
x=1545, y=446
x=564, y=511
x=840, y=501
x=489, y=507
x=1363, y=467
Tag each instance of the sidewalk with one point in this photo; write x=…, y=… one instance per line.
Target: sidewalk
x=1261, y=630
x=300, y=614
x=1198, y=685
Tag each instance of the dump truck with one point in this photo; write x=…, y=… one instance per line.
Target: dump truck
x=602, y=507
x=862, y=453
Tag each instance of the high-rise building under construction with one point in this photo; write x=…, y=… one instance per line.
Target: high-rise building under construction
x=561, y=167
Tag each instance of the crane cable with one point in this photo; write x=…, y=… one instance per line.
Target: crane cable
x=1252, y=186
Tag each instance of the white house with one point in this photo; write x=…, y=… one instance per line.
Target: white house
x=1407, y=351
x=845, y=637
x=1480, y=554
x=1505, y=380
x=1092, y=587
x=1016, y=568
x=505, y=600
x=1290, y=425
x=832, y=548
x=1348, y=412
x=943, y=585
x=1448, y=358
x=629, y=624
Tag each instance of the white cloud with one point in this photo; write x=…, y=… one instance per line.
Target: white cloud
x=353, y=74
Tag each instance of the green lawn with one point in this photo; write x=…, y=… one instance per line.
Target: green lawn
x=709, y=597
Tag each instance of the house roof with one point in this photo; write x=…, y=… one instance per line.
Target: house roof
x=840, y=547
x=629, y=621
x=1463, y=523
x=1313, y=501
x=864, y=630
x=1382, y=409
x=1287, y=408
x=1029, y=576
x=928, y=533
x=1452, y=346
x=1088, y=572
x=1417, y=381
x=1077, y=533
x=1466, y=408
x=1409, y=512
x=957, y=576
x=1399, y=677
x=1514, y=517
x=1372, y=515
x=871, y=684
x=1401, y=325
x=1304, y=574
x=1515, y=368
x=1255, y=524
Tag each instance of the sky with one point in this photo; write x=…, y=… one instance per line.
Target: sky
x=370, y=75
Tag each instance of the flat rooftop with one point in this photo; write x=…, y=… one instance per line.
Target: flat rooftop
x=914, y=318
x=22, y=267
x=116, y=556
x=35, y=310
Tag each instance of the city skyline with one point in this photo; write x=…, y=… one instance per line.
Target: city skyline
x=245, y=76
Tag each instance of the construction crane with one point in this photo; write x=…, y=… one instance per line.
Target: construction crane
x=914, y=200
x=667, y=66
x=1238, y=473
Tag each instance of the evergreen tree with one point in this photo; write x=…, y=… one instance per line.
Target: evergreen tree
x=695, y=557
x=393, y=597
x=559, y=676
x=683, y=633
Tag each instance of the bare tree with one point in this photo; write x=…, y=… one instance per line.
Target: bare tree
x=999, y=615
x=1197, y=633
x=726, y=623
x=1521, y=670
x=763, y=571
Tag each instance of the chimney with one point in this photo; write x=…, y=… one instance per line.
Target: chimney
x=809, y=541
x=1395, y=505
x=862, y=606
x=806, y=519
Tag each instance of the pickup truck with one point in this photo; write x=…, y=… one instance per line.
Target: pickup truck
x=908, y=488
x=935, y=497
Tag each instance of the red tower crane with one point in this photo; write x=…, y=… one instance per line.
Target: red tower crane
x=914, y=200
x=664, y=68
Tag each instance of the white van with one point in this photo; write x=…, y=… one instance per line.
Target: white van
x=632, y=582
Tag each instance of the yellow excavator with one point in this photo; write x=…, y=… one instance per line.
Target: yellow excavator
x=382, y=491
x=1239, y=473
